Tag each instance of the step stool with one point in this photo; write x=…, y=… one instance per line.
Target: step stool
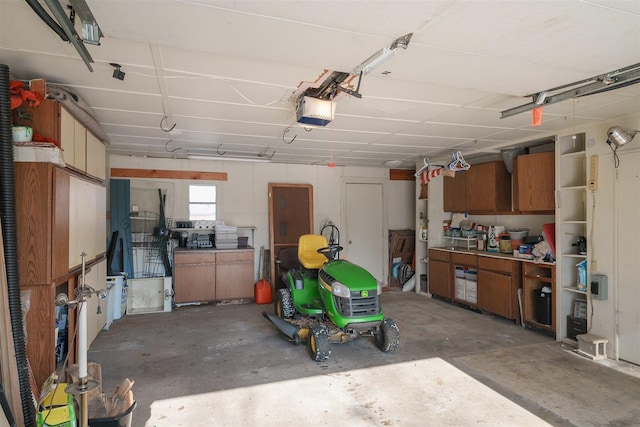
x=592, y=346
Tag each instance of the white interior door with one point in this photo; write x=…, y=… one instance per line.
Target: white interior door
x=364, y=237
x=628, y=210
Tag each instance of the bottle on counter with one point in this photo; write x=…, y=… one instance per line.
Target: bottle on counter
x=481, y=241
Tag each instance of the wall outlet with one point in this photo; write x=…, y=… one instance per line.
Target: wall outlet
x=593, y=174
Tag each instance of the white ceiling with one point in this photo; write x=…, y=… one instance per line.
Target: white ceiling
x=228, y=70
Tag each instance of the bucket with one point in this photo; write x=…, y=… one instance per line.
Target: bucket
x=262, y=292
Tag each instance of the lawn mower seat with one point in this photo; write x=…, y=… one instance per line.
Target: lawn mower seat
x=308, y=246
x=287, y=260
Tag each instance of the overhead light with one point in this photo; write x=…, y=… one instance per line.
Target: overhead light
x=315, y=111
x=393, y=163
x=619, y=136
x=382, y=56
x=230, y=159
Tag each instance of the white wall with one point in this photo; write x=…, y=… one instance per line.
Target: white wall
x=243, y=200
x=603, y=224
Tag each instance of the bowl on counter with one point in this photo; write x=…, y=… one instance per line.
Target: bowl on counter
x=518, y=233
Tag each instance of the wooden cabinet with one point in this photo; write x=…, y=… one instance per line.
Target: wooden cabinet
x=81, y=150
x=42, y=206
x=494, y=293
x=498, y=283
x=489, y=188
x=484, y=188
x=96, y=157
x=534, y=181
x=46, y=212
x=202, y=275
x=454, y=198
x=87, y=220
x=194, y=275
x=534, y=278
x=439, y=273
x=234, y=274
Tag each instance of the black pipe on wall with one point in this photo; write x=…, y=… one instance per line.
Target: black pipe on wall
x=10, y=240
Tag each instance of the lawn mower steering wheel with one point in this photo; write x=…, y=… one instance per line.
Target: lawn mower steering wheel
x=330, y=251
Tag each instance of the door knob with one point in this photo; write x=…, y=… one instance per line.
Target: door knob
x=349, y=241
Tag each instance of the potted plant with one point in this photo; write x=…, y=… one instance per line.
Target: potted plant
x=20, y=99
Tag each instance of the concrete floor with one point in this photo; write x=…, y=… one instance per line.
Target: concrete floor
x=226, y=365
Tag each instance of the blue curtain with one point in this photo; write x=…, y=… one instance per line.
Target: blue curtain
x=119, y=201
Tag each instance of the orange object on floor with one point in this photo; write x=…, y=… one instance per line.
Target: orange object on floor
x=262, y=292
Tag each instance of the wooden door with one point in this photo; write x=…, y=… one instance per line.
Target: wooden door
x=454, y=197
x=234, y=274
x=439, y=278
x=494, y=293
x=194, y=276
x=534, y=181
x=290, y=216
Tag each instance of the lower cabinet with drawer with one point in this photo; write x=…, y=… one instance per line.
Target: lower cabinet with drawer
x=203, y=275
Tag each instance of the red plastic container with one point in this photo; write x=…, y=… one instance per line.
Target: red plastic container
x=262, y=292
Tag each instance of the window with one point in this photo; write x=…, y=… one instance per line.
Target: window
x=202, y=202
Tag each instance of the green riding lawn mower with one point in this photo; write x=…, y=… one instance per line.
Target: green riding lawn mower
x=330, y=300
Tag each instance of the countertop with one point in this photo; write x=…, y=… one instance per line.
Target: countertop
x=214, y=249
x=489, y=254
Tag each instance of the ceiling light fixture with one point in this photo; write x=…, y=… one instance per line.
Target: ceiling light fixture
x=393, y=163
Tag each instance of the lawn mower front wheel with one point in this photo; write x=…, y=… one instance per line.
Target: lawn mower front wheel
x=387, y=336
x=319, y=343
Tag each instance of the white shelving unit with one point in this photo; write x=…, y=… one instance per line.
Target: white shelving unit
x=422, y=243
x=571, y=223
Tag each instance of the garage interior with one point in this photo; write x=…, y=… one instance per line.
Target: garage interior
x=416, y=129
x=226, y=365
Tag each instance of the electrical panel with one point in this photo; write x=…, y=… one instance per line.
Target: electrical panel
x=599, y=286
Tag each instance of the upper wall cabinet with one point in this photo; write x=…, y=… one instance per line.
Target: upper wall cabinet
x=484, y=188
x=81, y=150
x=455, y=193
x=534, y=182
x=489, y=187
